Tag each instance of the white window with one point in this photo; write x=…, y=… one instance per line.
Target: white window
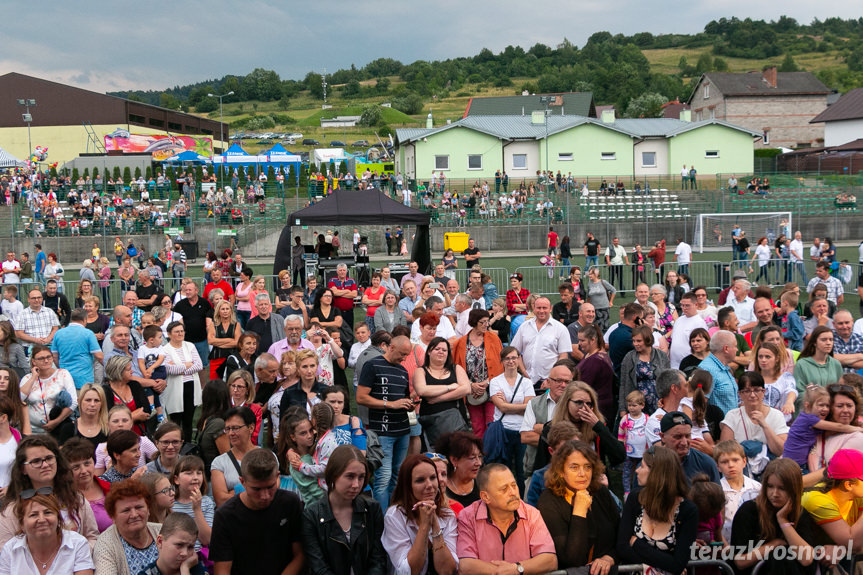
x=711, y=153
x=766, y=137
x=648, y=159
x=564, y=157
x=609, y=156
x=441, y=162
x=706, y=91
x=474, y=161
x=519, y=161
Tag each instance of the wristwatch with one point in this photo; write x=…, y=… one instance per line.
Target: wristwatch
x=520, y=568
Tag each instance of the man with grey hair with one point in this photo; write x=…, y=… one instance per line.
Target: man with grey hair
x=444, y=328
x=847, y=345
x=266, y=372
x=670, y=389
x=723, y=351
x=120, y=338
x=293, y=340
x=122, y=316
x=268, y=327
x=742, y=304
x=344, y=291
x=409, y=302
x=462, y=307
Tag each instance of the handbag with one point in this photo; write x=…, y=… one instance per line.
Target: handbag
x=374, y=450
x=494, y=440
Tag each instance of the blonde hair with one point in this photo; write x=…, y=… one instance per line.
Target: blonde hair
x=94, y=299
x=102, y=418
x=217, y=319
x=247, y=379
x=585, y=431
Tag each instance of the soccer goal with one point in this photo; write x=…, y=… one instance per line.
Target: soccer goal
x=714, y=231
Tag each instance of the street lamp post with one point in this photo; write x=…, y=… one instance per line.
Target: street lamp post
x=221, y=135
x=28, y=117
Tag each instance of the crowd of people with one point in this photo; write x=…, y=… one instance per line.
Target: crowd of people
x=213, y=430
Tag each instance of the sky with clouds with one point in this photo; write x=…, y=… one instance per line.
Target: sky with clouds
x=120, y=45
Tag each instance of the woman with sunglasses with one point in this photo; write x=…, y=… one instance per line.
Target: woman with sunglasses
x=44, y=546
x=39, y=464
x=582, y=410
x=342, y=531
x=50, y=392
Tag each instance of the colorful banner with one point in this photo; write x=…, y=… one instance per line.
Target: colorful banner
x=161, y=146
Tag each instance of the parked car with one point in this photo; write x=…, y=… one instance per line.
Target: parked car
x=311, y=142
x=289, y=141
x=337, y=144
x=295, y=135
x=265, y=142
x=360, y=144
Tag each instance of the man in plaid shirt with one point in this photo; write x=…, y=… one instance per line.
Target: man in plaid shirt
x=835, y=292
x=36, y=324
x=847, y=346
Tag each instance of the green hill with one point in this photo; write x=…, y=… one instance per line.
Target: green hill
x=390, y=115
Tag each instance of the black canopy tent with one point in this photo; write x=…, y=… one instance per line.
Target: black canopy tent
x=354, y=208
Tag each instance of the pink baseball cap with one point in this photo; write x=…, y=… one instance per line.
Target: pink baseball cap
x=846, y=464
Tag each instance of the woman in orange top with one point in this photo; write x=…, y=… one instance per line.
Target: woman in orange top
x=478, y=353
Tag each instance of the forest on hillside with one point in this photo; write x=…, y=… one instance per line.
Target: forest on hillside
x=613, y=67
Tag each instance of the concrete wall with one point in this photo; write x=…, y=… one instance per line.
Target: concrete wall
x=109, y=162
x=838, y=133
x=734, y=146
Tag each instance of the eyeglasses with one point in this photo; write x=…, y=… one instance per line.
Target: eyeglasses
x=43, y=358
x=174, y=443
x=433, y=456
x=556, y=380
x=165, y=491
x=580, y=403
x=234, y=428
x=751, y=391
x=31, y=493
x=237, y=386
x=41, y=461
x=511, y=358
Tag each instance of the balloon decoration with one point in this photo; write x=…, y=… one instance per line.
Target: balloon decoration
x=40, y=154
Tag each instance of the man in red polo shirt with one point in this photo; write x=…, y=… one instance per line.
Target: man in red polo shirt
x=218, y=282
x=344, y=291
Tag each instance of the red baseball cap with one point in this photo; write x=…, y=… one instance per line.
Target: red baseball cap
x=846, y=464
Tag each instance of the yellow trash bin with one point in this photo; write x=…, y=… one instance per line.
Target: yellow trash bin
x=455, y=241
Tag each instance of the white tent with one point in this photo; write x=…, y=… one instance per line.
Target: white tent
x=327, y=155
x=7, y=160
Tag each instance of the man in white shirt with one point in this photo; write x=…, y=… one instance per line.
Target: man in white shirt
x=541, y=341
x=742, y=304
x=815, y=250
x=615, y=257
x=683, y=256
x=462, y=305
x=688, y=321
x=11, y=269
x=795, y=250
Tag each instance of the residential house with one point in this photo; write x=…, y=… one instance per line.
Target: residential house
x=777, y=105
x=843, y=121
x=564, y=104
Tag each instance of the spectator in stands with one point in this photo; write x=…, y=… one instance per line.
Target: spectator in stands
x=419, y=526
x=528, y=549
x=579, y=511
x=36, y=324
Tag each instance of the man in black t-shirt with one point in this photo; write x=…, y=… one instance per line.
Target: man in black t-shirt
x=471, y=254
x=194, y=311
x=591, y=252
x=383, y=388
x=146, y=291
x=258, y=531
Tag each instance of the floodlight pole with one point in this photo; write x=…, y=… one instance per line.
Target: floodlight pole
x=546, y=100
x=221, y=124
x=27, y=117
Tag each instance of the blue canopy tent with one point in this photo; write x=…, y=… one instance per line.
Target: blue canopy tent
x=276, y=157
x=188, y=157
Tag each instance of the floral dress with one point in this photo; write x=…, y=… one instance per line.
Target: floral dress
x=667, y=543
x=645, y=382
x=476, y=368
x=325, y=367
x=665, y=321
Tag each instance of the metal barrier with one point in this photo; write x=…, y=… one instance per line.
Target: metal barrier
x=713, y=275
x=544, y=280
x=499, y=277
x=782, y=271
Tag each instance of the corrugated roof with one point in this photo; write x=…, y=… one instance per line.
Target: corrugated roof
x=848, y=107
x=520, y=127
x=571, y=103
x=753, y=84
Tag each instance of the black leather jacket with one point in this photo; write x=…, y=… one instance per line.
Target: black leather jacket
x=327, y=552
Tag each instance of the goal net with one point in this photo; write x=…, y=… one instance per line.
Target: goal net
x=714, y=231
